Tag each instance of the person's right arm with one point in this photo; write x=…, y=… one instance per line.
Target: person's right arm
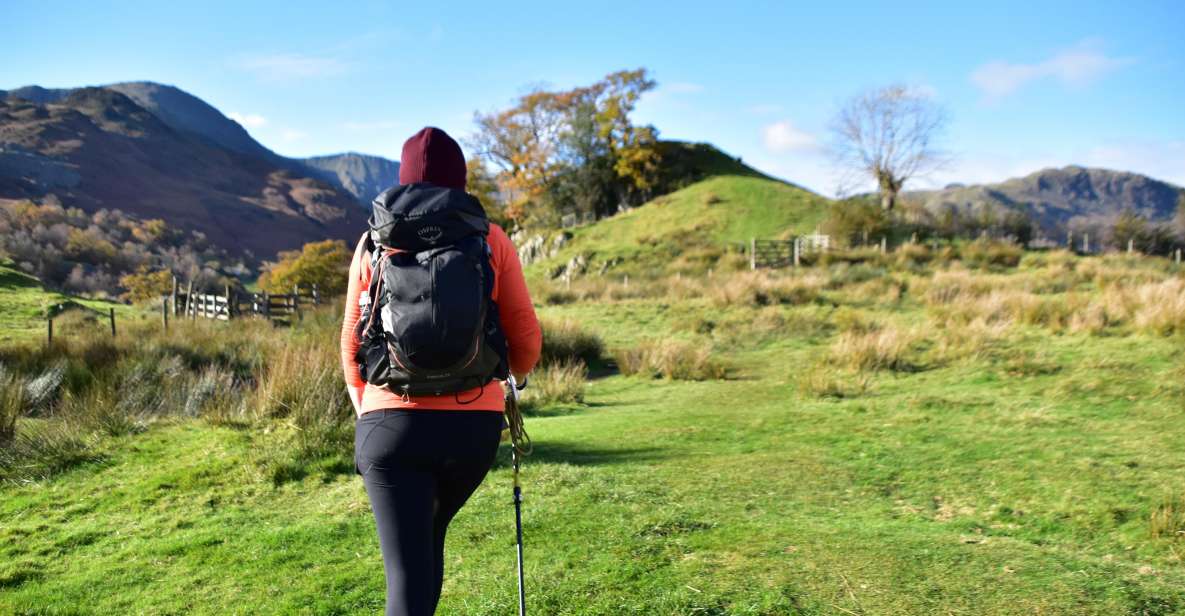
x=516, y=313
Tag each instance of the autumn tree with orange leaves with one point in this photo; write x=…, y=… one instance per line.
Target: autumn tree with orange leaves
x=571, y=151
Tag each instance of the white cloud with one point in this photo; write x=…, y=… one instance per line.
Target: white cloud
x=248, y=120
x=1076, y=66
x=785, y=137
x=288, y=135
x=290, y=66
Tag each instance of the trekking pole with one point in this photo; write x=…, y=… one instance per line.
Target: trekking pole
x=520, y=445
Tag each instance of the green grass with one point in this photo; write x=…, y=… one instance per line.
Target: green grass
x=1019, y=473
x=701, y=218
x=24, y=304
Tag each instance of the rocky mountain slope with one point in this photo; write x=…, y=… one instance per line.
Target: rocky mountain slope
x=361, y=175
x=97, y=148
x=1060, y=198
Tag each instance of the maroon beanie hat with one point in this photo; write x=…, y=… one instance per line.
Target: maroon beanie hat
x=432, y=156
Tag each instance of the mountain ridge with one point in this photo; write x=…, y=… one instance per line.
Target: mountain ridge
x=96, y=148
x=361, y=175
x=1060, y=198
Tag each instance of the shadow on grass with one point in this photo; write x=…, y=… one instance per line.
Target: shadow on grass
x=581, y=455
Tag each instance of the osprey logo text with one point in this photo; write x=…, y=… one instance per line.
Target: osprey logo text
x=431, y=233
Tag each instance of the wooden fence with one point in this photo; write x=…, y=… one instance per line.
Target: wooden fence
x=784, y=253
x=230, y=304
x=59, y=309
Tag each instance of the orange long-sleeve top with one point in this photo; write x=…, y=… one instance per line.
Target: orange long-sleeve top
x=516, y=314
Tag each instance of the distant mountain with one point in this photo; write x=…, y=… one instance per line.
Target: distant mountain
x=176, y=108
x=362, y=175
x=158, y=152
x=1060, y=198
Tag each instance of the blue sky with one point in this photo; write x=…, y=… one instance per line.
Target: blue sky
x=1026, y=84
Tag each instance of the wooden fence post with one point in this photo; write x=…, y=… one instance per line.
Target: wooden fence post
x=267, y=305
x=752, y=253
x=1178, y=256
x=174, y=296
x=884, y=244
x=189, y=298
x=164, y=307
x=1086, y=243
x=1130, y=245
x=296, y=302
x=1069, y=240
x=111, y=313
x=227, y=297
x=49, y=330
x=316, y=296
x=797, y=250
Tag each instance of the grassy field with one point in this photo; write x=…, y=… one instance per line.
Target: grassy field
x=24, y=304
x=897, y=435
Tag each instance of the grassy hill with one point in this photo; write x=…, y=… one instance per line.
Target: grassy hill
x=24, y=303
x=693, y=224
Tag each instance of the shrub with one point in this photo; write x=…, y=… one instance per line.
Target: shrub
x=565, y=340
x=146, y=285
x=325, y=264
x=671, y=359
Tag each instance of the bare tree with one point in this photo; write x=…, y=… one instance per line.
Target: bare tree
x=888, y=135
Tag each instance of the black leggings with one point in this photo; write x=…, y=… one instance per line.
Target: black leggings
x=419, y=468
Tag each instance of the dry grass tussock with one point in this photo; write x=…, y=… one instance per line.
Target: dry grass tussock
x=1059, y=301
x=1160, y=307
x=1167, y=520
x=822, y=380
x=567, y=340
x=556, y=383
x=882, y=348
x=764, y=288
x=671, y=359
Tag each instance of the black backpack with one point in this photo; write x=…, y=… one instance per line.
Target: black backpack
x=429, y=325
